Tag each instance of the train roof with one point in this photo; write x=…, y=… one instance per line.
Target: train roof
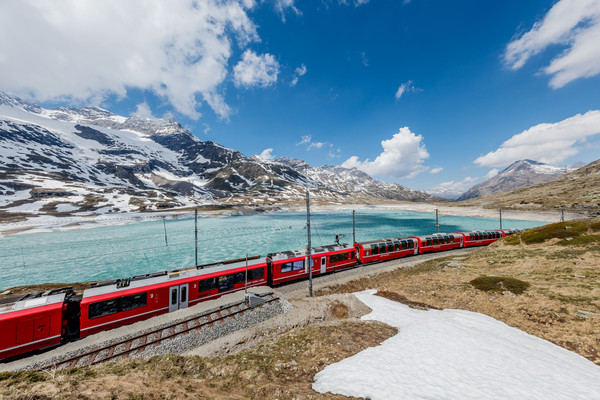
x=33, y=300
x=431, y=235
x=140, y=281
x=315, y=251
x=386, y=240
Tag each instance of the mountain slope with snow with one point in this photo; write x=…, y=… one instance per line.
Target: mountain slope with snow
x=520, y=174
x=66, y=161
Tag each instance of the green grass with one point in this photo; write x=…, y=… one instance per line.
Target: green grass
x=560, y=230
x=499, y=284
x=583, y=240
x=513, y=240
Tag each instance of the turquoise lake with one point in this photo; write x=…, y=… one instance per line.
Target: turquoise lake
x=126, y=250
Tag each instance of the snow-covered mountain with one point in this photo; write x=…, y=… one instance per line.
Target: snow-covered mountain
x=523, y=173
x=87, y=160
x=357, y=182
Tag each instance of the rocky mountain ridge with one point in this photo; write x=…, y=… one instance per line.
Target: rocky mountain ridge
x=89, y=160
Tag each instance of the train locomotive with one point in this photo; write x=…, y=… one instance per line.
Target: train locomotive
x=43, y=320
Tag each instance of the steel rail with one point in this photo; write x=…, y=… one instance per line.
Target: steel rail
x=158, y=332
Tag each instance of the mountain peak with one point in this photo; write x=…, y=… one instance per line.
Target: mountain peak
x=520, y=174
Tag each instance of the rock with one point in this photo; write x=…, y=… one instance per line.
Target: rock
x=508, y=293
x=6, y=292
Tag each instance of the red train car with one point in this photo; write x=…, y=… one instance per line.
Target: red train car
x=32, y=322
x=481, y=238
x=386, y=249
x=508, y=232
x=115, y=303
x=439, y=242
x=289, y=266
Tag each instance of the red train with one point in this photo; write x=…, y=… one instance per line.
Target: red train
x=47, y=319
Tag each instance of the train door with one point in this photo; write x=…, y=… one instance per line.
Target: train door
x=178, y=297
x=323, y=264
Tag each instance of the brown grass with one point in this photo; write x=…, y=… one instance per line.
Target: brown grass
x=282, y=369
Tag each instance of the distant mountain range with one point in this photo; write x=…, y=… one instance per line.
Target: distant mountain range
x=67, y=161
x=523, y=173
x=578, y=190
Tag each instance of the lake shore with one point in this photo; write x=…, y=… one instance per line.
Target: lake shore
x=49, y=223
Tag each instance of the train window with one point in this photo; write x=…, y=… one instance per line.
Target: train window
x=184, y=294
x=353, y=254
x=374, y=249
x=338, y=258
x=382, y=248
x=390, y=247
x=404, y=244
x=286, y=267
x=429, y=241
x=225, y=283
x=102, y=308
x=239, y=277
x=174, y=296
x=133, y=301
x=257, y=273
x=207, y=284
x=298, y=265
x=411, y=244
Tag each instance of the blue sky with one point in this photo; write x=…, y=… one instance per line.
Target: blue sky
x=434, y=95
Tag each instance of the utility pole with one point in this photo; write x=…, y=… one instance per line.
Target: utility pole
x=353, y=227
x=246, y=281
x=562, y=215
x=196, y=233
x=165, y=226
x=308, y=248
x=437, y=225
x=500, y=219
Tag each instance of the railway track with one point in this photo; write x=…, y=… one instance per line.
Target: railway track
x=137, y=344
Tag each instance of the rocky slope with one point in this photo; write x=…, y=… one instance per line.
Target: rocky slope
x=519, y=174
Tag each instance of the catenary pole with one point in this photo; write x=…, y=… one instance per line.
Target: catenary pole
x=437, y=225
x=353, y=227
x=196, y=233
x=500, y=219
x=165, y=226
x=308, y=248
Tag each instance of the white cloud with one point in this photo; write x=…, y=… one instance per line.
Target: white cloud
x=307, y=139
x=492, y=173
x=406, y=87
x=571, y=23
x=402, y=157
x=283, y=5
x=143, y=111
x=548, y=143
x=304, y=140
x=255, y=70
x=267, y=155
x=300, y=71
x=453, y=189
x=83, y=51
x=436, y=170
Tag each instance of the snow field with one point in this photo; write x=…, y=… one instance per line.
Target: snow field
x=457, y=354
